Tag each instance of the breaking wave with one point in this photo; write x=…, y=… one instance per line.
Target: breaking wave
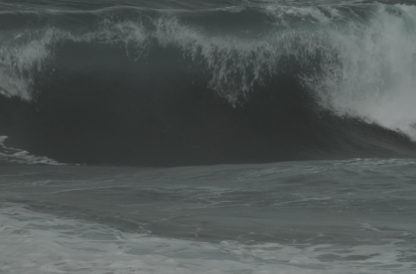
x=284, y=72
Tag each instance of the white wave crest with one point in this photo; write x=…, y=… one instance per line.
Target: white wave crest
x=374, y=74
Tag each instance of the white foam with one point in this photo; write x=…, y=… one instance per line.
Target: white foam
x=375, y=78
x=40, y=243
x=20, y=58
x=15, y=155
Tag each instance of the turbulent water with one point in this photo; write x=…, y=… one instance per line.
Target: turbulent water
x=307, y=108
x=355, y=216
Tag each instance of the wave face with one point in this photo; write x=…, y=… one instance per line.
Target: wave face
x=193, y=82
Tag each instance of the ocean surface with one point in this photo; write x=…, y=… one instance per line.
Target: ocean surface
x=191, y=136
x=351, y=216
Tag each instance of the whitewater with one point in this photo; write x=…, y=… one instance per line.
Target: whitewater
x=190, y=136
x=354, y=216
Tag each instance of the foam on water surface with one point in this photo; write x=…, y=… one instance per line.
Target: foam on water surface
x=42, y=243
x=300, y=217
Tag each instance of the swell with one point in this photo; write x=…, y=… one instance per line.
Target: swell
x=158, y=87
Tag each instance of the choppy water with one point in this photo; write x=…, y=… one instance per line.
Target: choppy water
x=355, y=216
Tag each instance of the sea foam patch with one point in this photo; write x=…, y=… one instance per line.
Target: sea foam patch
x=42, y=243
